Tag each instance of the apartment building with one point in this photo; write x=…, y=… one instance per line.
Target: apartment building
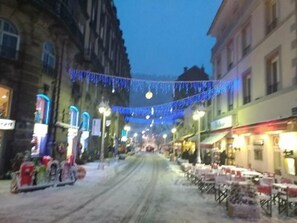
x=40, y=106
x=256, y=49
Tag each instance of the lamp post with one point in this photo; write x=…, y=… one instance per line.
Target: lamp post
x=196, y=116
x=164, y=137
x=173, y=131
x=105, y=110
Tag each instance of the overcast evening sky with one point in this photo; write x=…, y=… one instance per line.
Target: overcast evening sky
x=164, y=36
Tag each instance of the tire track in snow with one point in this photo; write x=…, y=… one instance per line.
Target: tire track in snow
x=140, y=208
x=116, y=182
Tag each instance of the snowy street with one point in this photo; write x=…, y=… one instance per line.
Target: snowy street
x=145, y=187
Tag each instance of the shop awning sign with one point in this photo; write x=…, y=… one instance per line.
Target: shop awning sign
x=7, y=124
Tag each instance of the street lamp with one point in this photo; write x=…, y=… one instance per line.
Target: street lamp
x=127, y=128
x=164, y=137
x=196, y=116
x=173, y=131
x=105, y=110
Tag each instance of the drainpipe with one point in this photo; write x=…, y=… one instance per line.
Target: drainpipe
x=51, y=142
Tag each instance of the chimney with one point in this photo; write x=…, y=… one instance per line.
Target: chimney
x=202, y=68
x=185, y=69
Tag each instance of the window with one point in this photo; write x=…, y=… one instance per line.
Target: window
x=219, y=104
x=230, y=98
x=5, y=95
x=246, y=88
x=230, y=55
x=246, y=39
x=85, y=121
x=48, y=58
x=271, y=15
x=9, y=40
x=218, y=68
x=258, y=153
x=74, y=114
x=273, y=74
x=42, y=109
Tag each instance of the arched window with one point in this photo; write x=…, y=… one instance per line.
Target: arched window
x=42, y=109
x=74, y=115
x=9, y=40
x=48, y=58
x=85, y=121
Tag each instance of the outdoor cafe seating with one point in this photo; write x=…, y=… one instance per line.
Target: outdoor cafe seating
x=265, y=194
x=286, y=197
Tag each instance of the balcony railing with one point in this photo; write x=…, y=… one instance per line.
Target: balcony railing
x=64, y=13
x=245, y=50
x=9, y=53
x=272, y=88
x=271, y=26
x=246, y=99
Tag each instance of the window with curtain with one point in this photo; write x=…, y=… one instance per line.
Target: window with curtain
x=219, y=104
x=218, y=68
x=48, y=58
x=246, y=39
x=9, y=40
x=271, y=11
x=230, y=52
x=272, y=74
x=230, y=98
x=247, y=88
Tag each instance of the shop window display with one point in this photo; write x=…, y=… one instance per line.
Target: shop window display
x=4, y=102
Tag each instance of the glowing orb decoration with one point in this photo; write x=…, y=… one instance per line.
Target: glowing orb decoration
x=149, y=95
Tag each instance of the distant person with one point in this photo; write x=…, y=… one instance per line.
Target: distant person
x=207, y=158
x=223, y=157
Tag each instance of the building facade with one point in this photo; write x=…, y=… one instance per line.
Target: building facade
x=256, y=49
x=41, y=107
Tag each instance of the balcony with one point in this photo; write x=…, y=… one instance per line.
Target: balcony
x=63, y=13
x=9, y=53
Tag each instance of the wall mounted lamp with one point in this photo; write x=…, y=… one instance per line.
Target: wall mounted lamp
x=288, y=153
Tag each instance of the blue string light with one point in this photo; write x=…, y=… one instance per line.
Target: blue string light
x=120, y=83
x=205, y=90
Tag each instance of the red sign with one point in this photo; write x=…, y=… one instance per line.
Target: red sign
x=81, y=173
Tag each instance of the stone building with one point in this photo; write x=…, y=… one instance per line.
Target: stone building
x=40, y=40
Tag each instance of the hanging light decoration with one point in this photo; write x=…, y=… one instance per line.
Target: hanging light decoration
x=120, y=82
x=149, y=94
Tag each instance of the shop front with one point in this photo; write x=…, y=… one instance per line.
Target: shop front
x=40, y=130
x=6, y=124
x=266, y=146
x=216, y=147
x=84, y=139
x=72, y=137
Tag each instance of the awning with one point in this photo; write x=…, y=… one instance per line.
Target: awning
x=213, y=138
x=185, y=137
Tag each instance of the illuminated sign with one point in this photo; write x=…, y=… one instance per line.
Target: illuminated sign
x=7, y=124
x=96, y=127
x=40, y=129
x=222, y=123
